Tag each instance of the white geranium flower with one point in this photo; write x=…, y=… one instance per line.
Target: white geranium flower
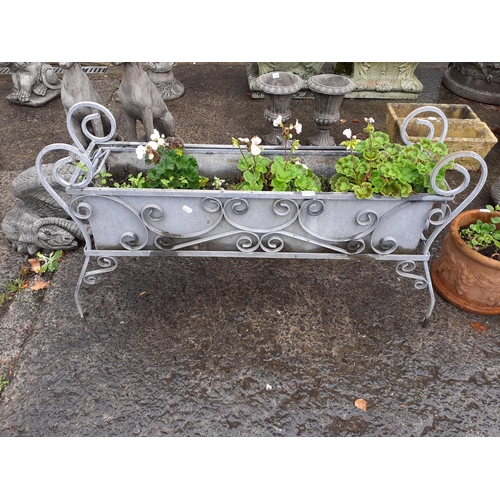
x=278, y=121
x=153, y=145
x=254, y=148
x=151, y=156
x=155, y=136
x=298, y=126
x=369, y=120
x=245, y=140
x=347, y=132
x=140, y=151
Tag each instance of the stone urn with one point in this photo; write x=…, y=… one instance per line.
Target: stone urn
x=278, y=88
x=464, y=277
x=474, y=80
x=329, y=91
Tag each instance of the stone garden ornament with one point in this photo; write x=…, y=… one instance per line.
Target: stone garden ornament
x=77, y=87
x=34, y=83
x=162, y=76
x=478, y=81
x=37, y=222
x=142, y=102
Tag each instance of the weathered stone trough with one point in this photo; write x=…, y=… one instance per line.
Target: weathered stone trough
x=464, y=132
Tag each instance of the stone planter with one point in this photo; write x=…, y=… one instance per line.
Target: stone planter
x=464, y=132
x=329, y=91
x=474, y=80
x=464, y=277
x=303, y=70
x=278, y=88
x=385, y=80
x=119, y=222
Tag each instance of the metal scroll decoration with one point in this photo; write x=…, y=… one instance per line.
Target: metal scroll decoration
x=264, y=224
x=426, y=122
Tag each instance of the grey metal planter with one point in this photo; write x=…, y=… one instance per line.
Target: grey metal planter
x=203, y=222
x=120, y=222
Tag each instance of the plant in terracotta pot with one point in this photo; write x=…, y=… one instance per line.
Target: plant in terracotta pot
x=467, y=272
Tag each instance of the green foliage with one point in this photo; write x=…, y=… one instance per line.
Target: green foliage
x=481, y=235
x=101, y=178
x=174, y=170
x=50, y=262
x=293, y=176
x=278, y=174
x=382, y=167
x=282, y=173
x=255, y=170
x=12, y=287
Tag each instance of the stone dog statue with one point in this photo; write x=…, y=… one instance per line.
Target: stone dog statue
x=142, y=101
x=77, y=87
x=38, y=222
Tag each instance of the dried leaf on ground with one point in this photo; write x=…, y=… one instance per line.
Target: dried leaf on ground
x=142, y=293
x=361, y=404
x=35, y=265
x=479, y=327
x=356, y=120
x=39, y=285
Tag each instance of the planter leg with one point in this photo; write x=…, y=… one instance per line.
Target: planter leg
x=107, y=264
x=405, y=269
x=431, y=293
x=79, y=284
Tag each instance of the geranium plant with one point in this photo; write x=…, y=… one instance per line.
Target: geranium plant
x=172, y=168
x=375, y=165
x=282, y=173
x=484, y=237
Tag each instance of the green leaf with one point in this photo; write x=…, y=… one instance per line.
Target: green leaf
x=365, y=190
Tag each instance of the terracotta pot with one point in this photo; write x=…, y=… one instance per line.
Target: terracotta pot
x=464, y=277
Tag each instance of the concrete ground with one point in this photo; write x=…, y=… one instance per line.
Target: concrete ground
x=233, y=347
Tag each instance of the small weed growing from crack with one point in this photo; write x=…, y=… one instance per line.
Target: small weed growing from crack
x=39, y=265
x=3, y=383
x=13, y=286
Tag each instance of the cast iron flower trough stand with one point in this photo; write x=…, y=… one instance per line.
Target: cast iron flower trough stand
x=121, y=222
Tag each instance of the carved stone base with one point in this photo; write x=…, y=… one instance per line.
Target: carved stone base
x=37, y=101
x=394, y=80
x=162, y=76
